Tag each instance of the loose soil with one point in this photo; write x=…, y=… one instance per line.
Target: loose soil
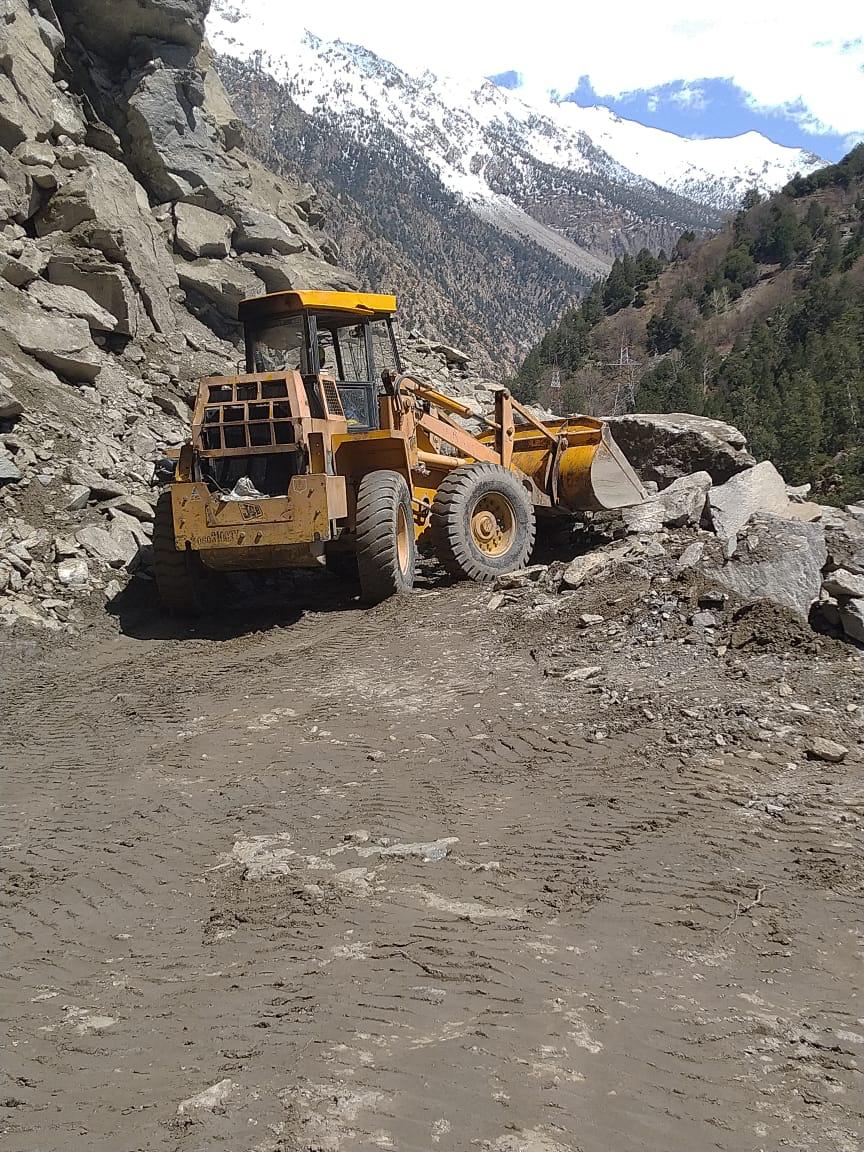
x=330, y=878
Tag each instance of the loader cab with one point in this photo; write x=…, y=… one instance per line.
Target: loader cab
x=341, y=343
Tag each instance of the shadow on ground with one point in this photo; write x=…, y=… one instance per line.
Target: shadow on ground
x=247, y=602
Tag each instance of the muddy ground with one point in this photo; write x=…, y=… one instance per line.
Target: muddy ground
x=325, y=878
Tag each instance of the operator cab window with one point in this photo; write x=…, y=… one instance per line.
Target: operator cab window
x=280, y=347
x=353, y=373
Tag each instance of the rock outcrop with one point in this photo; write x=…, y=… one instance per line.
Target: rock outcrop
x=131, y=224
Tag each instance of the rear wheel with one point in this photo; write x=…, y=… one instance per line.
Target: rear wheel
x=482, y=522
x=178, y=574
x=386, y=550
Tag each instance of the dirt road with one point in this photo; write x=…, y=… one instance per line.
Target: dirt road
x=386, y=879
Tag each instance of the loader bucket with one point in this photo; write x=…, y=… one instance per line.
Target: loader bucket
x=592, y=474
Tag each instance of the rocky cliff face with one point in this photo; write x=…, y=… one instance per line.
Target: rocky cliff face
x=131, y=225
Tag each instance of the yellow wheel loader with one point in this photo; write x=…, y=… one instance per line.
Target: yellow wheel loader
x=325, y=453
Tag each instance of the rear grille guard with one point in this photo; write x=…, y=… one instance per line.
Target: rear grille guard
x=246, y=418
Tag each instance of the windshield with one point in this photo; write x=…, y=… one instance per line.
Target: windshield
x=280, y=347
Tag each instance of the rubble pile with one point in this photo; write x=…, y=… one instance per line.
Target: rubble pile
x=710, y=548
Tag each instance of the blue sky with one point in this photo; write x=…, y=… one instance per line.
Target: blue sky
x=709, y=106
x=794, y=71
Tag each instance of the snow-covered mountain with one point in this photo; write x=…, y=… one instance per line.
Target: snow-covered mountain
x=466, y=132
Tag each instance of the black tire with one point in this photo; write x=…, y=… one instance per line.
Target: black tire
x=178, y=574
x=386, y=549
x=482, y=523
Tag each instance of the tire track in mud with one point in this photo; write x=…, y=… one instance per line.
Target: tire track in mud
x=234, y=854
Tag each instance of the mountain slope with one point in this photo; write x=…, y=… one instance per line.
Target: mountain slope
x=469, y=133
x=457, y=275
x=522, y=169
x=762, y=325
x=714, y=172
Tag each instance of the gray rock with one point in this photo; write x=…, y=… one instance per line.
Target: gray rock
x=73, y=302
x=828, y=750
x=665, y=446
x=9, y=472
x=109, y=30
x=120, y=521
x=10, y=407
x=690, y=557
x=61, y=343
x=110, y=212
x=202, y=233
x=21, y=261
x=33, y=154
x=843, y=583
x=117, y=547
x=785, y=566
x=223, y=282
x=104, y=282
x=759, y=489
x=135, y=506
x=73, y=573
x=852, y=618
x=78, y=498
x=270, y=269
x=86, y=477
x=307, y=271
x=682, y=503
x=171, y=405
x=262, y=233
x=592, y=564
x=27, y=89
x=174, y=145
x=846, y=544
x=798, y=492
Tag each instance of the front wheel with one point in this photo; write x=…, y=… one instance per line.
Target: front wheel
x=482, y=522
x=386, y=549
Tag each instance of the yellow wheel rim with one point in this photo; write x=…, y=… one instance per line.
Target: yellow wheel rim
x=403, y=540
x=493, y=524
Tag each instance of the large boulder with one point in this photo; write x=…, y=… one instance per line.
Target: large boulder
x=758, y=489
x=27, y=93
x=174, y=144
x=307, y=271
x=10, y=407
x=852, y=619
x=665, y=446
x=200, y=232
x=104, y=282
x=679, y=505
x=779, y=560
x=72, y=302
x=108, y=29
x=846, y=543
x=61, y=343
x=262, y=233
x=106, y=208
x=18, y=194
x=224, y=283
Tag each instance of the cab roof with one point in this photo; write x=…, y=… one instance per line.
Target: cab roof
x=353, y=306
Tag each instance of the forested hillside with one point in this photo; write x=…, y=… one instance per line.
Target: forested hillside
x=762, y=325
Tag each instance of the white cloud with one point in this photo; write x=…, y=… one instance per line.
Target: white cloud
x=780, y=53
